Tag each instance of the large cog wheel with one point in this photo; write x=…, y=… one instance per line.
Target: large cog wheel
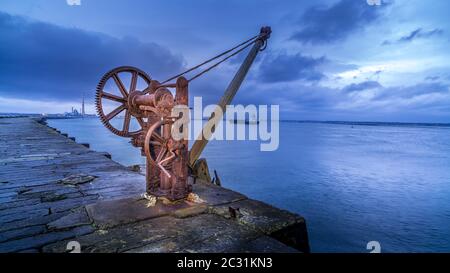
x=102, y=94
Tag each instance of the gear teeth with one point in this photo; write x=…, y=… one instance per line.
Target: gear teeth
x=99, y=91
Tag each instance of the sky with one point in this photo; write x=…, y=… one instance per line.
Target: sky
x=325, y=60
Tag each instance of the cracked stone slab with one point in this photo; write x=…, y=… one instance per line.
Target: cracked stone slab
x=124, y=237
x=4, y=219
x=191, y=211
x=259, y=215
x=282, y=225
x=110, y=213
x=52, y=197
x=77, y=179
x=21, y=233
x=31, y=221
x=265, y=244
x=43, y=239
x=192, y=234
x=216, y=195
x=73, y=219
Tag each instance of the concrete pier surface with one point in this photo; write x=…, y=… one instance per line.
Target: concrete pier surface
x=54, y=191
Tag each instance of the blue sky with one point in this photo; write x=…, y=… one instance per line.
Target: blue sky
x=326, y=60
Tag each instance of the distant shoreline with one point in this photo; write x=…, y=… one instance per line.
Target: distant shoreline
x=355, y=123
x=372, y=123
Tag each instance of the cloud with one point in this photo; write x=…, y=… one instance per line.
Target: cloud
x=45, y=61
x=416, y=34
x=368, y=100
x=432, y=78
x=413, y=103
x=414, y=90
x=362, y=86
x=321, y=25
x=284, y=68
x=420, y=33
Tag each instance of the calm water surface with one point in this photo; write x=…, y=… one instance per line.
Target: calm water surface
x=353, y=184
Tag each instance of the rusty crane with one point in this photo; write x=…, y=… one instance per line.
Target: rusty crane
x=169, y=164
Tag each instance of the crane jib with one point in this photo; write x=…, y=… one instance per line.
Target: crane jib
x=233, y=87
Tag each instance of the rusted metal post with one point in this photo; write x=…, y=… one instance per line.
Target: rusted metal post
x=230, y=92
x=180, y=187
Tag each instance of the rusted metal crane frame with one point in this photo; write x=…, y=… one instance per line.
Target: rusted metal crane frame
x=169, y=164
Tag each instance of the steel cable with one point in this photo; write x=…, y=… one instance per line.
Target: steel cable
x=223, y=60
x=246, y=44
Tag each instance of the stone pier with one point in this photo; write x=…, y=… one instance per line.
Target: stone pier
x=54, y=190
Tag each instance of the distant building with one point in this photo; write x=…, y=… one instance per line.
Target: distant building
x=74, y=113
x=82, y=107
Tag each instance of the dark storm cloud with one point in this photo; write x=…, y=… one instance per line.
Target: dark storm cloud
x=292, y=97
x=417, y=34
x=283, y=68
x=315, y=98
x=324, y=98
x=362, y=86
x=396, y=92
x=432, y=78
x=321, y=25
x=41, y=60
x=413, y=90
x=420, y=33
